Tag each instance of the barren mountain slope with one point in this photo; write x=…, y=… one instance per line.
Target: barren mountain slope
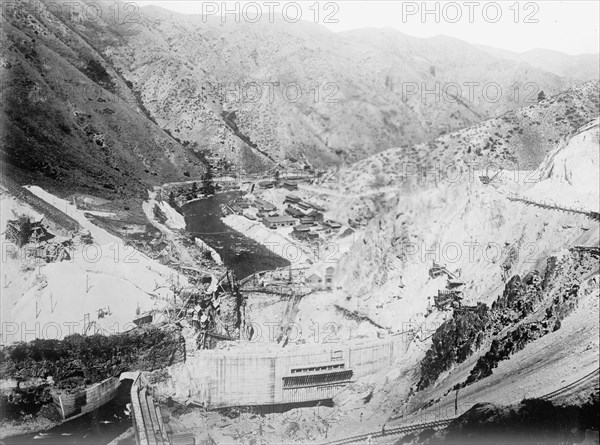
x=403, y=242
x=582, y=66
x=256, y=93
x=356, y=97
x=516, y=140
x=70, y=119
x=260, y=93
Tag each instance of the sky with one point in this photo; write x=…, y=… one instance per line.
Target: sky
x=571, y=27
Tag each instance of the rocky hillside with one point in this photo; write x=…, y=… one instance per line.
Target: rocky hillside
x=496, y=236
x=70, y=119
x=517, y=140
x=525, y=276
x=197, y=72
x=256, y=93
x=529, y=308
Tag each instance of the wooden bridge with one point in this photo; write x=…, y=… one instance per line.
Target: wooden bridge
x=281, y=271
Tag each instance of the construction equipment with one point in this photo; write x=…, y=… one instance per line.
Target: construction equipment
x=437, y=270
x=446, y=299
x=22, y=231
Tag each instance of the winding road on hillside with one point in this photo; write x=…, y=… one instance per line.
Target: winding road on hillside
x=341, y=194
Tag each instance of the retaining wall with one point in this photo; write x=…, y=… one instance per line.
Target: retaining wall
x=87, y=400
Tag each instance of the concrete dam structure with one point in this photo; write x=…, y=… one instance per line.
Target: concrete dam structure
x=268, y=375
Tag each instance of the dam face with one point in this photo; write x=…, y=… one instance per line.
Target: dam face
x=253, y=376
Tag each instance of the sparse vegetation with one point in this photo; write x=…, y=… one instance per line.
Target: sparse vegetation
x=453, y=342
x=97, y=73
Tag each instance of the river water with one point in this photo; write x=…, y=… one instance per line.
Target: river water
x=238, y=252
x=100, y=426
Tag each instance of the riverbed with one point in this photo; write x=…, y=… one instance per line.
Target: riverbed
x=239, y=253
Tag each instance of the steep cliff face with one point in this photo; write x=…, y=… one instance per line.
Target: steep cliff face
x=568, y=176
x=528, y=277
x=478, y=231
x=529, y=308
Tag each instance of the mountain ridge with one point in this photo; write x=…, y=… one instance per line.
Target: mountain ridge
x=578, y=66
x=369, y=113
x=191, y=78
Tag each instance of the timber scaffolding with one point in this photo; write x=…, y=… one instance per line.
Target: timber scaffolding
x=22, y=231
x=280, y=274
x=450, y=297
x=283, y=291
x=437, y=270
x=200, y=313
x=280, y=281
x=447, y=298
x=486, y=179
x=553, y=206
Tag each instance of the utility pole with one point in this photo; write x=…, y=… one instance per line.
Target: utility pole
x=52, y=305
x=456, y=402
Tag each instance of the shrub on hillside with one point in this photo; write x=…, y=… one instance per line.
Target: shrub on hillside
x=82, y=360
